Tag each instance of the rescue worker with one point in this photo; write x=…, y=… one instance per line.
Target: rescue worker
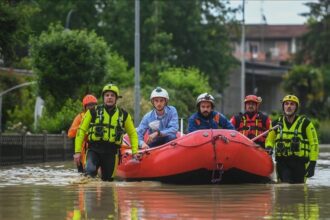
x=252, y=122
x=206, y=117
x=161, y=123
x=295, y=143
x=105, y=126
x=88, y=102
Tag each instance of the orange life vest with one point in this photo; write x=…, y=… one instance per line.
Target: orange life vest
x=251, y=127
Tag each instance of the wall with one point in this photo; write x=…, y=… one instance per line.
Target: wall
x=36, y=148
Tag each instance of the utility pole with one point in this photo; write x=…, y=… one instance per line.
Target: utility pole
x=8, y=90
x=137, y=64
x=243, y=58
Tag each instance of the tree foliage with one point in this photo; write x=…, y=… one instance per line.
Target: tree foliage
x=14, y=29
x=118, y=71
x=15, y=99
x=21, y=118
x=315, y=43
x=315, y=49
x=68, y=63
x=307, y=83
x=194, y=35
x=183, y=86
x=62, y=119
x=73, y=61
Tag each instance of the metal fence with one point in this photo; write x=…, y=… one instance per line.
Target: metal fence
x=34, y=148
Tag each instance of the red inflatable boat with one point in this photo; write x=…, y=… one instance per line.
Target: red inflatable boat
x=201, y=157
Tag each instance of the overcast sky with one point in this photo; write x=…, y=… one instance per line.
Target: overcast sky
x=275, y=11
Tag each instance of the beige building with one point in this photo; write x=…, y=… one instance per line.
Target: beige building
x=268, y=52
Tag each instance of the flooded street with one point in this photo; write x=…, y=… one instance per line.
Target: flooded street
x=57, y=191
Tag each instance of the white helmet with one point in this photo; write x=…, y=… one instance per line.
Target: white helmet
x=205, y=97
x=159, y=92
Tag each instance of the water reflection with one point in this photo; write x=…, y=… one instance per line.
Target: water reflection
x=56, y=191
x=297, y=202
x=97, y=200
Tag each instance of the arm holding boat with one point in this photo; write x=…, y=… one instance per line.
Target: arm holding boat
x=133, y=136
x=142, y=129
x=270, y=140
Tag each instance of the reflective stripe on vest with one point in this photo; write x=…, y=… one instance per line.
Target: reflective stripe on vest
x=105, y=127
x=293, y=141
x=251, y=127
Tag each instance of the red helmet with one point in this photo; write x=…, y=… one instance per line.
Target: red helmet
x=253, y=98
x=89, y=99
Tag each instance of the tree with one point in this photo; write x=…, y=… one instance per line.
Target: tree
x=183, y=86
x=68, y=63
x=71, y=14
x=118, y=71
x=194, y=35
x=307, y=83
x=14, y=29
x=315, y=43
x=315, y=46
x=16, y=99
x=21, y=117
x=55, y=122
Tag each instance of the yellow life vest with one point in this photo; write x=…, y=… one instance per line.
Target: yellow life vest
x=292, y=141
x=107, y=127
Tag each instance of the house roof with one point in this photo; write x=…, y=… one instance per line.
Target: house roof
x=275, y=31
x=265, y=69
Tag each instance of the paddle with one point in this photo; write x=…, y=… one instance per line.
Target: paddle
x=264, y=133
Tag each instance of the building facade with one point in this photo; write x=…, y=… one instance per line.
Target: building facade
x=269, y=50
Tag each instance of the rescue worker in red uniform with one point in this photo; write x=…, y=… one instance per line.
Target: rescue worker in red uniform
x=252, y=122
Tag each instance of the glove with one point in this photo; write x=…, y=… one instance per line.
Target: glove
x=136, y=157
x=269, y=150
x=310, y=169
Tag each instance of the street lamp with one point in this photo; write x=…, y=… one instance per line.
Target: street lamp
x=9, y=90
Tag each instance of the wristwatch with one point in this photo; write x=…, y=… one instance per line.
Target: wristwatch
x=158, y=132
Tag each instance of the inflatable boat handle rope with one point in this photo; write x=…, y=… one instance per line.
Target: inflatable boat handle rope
x=218, y=166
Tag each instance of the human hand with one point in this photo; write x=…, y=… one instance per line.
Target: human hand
x=76, y=158
x=310, y=169
x=269, y=150
x=145, y=146
x=152, y=136
x=136, y=156
x=134, y=160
